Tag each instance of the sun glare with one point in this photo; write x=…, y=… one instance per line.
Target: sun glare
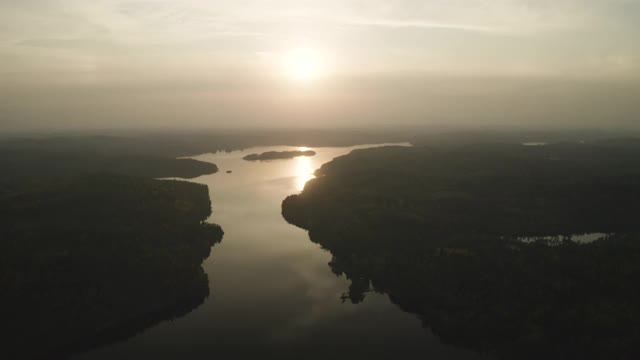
x=304, y=171
x=303, y=64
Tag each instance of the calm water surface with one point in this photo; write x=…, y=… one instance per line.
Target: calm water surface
x=272, y=293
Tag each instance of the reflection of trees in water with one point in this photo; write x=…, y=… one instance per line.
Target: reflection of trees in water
x=520, y=300
x=93, y=260
x=166, y=304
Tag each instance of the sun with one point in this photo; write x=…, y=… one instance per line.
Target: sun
x=303, y=64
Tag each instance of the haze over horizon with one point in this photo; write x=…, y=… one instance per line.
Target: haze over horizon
x=145, y=64
x=328, y=179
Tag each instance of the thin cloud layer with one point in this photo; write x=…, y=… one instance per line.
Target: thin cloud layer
x=229, y=50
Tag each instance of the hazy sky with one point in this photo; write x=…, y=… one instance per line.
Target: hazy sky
x=115, y=63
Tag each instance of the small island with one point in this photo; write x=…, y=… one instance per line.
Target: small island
x=278, y=155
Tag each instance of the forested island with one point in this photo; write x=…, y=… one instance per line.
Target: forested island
x=438, y=231
x=278, y=155
x=94, y=250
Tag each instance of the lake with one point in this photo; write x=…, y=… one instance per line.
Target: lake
x=271, y=289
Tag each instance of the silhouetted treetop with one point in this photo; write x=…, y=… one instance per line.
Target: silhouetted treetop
x=278, y=155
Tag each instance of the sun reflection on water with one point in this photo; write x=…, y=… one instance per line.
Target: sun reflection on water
x=304, y=171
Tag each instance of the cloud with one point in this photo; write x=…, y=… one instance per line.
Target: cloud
x=68, y=43
x=388, y=23
x=196, y=55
